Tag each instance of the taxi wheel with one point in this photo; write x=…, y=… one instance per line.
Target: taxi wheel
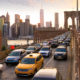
x=42, y=64
x=35, y=71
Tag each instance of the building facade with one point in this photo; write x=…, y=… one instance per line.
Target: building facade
x=41, y=17
x=56, y=21
x=49, y=24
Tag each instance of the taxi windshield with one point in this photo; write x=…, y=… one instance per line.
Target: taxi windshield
x=28, y=61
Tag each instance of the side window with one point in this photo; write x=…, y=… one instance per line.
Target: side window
x=38, y=58
x=20, y=53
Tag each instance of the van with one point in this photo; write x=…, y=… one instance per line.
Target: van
x=47, y=74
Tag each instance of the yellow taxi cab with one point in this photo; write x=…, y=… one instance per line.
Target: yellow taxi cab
x=29, y=65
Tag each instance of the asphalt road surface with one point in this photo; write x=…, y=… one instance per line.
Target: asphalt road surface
x=63, y=67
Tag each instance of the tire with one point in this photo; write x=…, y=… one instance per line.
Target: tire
x=35, y=71
x=54, y=58
x=65, y=58
x=42, y=64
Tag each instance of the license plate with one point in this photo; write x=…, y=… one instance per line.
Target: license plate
x=59, y=57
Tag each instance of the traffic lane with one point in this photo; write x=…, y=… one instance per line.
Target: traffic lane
x=61, y=65
x=9, y=74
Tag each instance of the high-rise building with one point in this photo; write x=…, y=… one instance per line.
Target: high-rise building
x=26, y=29
x=41, y=17
x=7, y=25
x=17, y=24
x=56, y=21
x=7, y=18
x=1, y=24
x=17, y=18
x=49, y=24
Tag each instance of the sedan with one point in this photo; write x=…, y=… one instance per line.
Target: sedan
x=15, y=56
x=45, y=51
x=31, y=49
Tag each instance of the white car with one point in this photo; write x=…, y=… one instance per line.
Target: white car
x=45, y=43
x=1, y=67
x=60, y=53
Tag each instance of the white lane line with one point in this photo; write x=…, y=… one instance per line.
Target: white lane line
x=50, y=59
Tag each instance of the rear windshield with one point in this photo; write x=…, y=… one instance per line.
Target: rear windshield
x=61, y=50
x=44, y=79
x=45, y=49
x=31, y=48
x=28, y=61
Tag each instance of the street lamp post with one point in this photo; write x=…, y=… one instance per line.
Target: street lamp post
x=77, y=17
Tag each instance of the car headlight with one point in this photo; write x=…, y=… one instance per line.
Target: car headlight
x=64, y=54
x=16, y=68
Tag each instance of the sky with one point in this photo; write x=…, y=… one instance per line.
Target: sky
x=32, y=8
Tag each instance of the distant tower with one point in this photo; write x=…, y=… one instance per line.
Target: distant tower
x=7, y=18
x=56, y=21
x=41, y=17
x=17, y=18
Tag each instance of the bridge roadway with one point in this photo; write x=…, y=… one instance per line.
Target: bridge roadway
x=62, y=66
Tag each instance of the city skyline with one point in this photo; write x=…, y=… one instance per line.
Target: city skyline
x=28, y=7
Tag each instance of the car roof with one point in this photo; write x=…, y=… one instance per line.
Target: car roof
x=46, y=73
x=18, y=50
x=32, y=55
x=46, y=47
x=31, y=46
x=61, y=46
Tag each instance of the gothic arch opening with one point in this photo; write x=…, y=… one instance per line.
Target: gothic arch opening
x=69, y=22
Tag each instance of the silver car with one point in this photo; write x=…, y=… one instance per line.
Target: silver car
x=60, y=53
x=31, y=49
x=46, y=51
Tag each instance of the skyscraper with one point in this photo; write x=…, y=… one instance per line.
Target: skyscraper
x=17, y=24
x=41, y=17
x=56, y=21
x=17, y=18
x=7, y=18
x=7, y=25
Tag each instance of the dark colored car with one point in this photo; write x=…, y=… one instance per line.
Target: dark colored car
x=54, y=44
x=31, y=49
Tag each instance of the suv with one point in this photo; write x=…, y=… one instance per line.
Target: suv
x=29, y=65
x=47, y=74
x=60, y=53
x=15, y=56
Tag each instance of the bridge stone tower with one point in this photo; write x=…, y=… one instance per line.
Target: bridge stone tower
x=72, y=15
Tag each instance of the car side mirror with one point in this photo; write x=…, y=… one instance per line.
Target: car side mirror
x=19, y=61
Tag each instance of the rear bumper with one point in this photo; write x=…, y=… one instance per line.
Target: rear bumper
x=60, y=57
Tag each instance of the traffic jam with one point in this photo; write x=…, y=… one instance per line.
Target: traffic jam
x=30, y=61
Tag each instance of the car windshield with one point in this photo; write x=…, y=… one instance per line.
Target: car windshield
x=45, y=49
x=30, y=48
x=37, y=44
x=28, y=61
x=44, y=79
x=17, y=53
x=61, y=50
